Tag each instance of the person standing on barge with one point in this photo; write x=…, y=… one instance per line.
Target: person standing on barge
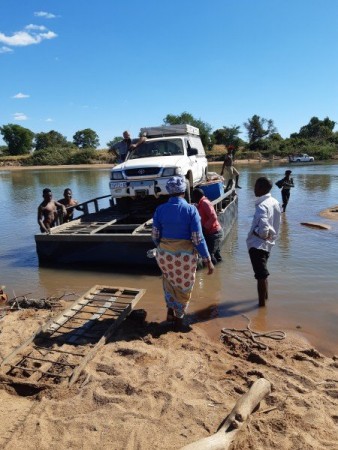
x=122, y=148
x=228, y=166
x=177, y=234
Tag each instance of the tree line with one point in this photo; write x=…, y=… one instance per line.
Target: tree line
x=316, y=138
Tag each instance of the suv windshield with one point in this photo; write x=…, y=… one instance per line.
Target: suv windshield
x=150, y=149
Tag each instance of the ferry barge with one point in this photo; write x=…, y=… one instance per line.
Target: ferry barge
x=107, y=235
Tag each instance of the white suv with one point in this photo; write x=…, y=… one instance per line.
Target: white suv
x=169, y=150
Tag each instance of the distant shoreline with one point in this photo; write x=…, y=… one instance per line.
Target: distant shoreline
x=108, y=166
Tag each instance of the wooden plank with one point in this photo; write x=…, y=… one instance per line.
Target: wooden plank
x=106, y=336
x=58, y=351
x=50, y=374
x=142, y=226
x=102, y=227
x=49, y=360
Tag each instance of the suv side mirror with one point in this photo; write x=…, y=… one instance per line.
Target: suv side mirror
x=192, y=151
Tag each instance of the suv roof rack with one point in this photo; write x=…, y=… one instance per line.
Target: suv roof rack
x=169, y=130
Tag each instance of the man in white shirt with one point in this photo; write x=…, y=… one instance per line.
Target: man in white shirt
x=263, y=234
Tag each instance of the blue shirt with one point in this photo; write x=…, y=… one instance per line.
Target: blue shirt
x=177, y=219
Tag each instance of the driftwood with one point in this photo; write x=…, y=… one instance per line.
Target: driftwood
x=223, y=438
x=22, y=302
x=320, y=226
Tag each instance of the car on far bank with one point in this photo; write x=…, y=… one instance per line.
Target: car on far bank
x=301, y=157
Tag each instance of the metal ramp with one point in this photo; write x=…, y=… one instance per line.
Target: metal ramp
x=58, y=352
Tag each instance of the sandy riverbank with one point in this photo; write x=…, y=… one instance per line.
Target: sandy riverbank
x=330, y=213
x=151, y=388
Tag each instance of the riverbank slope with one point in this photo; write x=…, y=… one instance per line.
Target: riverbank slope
x=153, y=388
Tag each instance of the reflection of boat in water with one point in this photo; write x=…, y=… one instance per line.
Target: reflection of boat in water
x=108, y=236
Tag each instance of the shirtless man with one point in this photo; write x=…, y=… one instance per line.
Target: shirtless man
x=68, y=201
x=47, y=211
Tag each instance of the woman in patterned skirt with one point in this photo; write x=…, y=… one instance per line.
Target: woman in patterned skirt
x=177, y=233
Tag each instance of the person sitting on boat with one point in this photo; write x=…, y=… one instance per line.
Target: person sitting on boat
x=69, y=202
x=212, y=229
x=228, y=165
x=177, y=233
x=47, y=211
x=122, y=148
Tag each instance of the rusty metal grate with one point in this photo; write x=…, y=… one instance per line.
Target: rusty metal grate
x=58, y=352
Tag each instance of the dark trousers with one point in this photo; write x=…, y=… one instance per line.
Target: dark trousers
x=214, y=243
x=285, y=197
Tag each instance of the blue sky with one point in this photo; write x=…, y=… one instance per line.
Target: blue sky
x=113, y=65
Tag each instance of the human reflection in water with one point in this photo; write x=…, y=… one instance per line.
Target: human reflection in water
x=284, y=239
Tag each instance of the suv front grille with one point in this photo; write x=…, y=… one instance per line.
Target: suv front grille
x=142, y=172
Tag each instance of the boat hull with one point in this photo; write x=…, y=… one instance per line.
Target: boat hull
x=109, y=248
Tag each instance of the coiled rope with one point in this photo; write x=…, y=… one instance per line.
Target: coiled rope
x=249, y=337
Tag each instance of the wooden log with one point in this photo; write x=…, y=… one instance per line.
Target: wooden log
x=223, y=438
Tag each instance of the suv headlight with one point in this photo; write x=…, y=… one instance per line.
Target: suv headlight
x=169, y=172
x=117, y=175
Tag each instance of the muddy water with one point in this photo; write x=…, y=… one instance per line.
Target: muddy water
x=303, y=265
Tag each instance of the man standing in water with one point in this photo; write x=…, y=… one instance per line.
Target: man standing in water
x=47, y=211
x=69, y=202
x=287, y=184
x=263, y=234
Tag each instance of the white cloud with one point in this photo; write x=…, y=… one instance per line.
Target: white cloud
x=20, y=116
x=20, y=95
x=49, y=120
x=45, y=15
x=35, y=27
x=5, y=49
x=24, y=38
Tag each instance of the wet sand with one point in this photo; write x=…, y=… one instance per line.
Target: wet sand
x=330, y=213
x=151, y=388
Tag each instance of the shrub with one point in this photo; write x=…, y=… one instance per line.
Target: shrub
x=85, y=156
x=49, y=157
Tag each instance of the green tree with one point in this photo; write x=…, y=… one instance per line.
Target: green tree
x=18, y=139
x=258, y=129
x=111, y=143
x=185, y=117
x=86, y=139
x=228, y=136
x=49, y=140
x=316, y=129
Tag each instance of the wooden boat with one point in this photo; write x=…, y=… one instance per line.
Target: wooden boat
x=109, y=236
x=59, y=350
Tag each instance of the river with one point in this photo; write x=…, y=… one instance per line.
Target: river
x=303, y=264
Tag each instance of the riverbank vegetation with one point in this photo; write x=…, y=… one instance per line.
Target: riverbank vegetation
x=317, y=138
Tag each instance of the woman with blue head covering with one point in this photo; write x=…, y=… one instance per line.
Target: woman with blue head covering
x=177, y=233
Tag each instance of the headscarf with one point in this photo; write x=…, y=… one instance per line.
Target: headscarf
x=176, y=185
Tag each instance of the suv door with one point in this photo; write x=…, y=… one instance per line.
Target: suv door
x=193, y=162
